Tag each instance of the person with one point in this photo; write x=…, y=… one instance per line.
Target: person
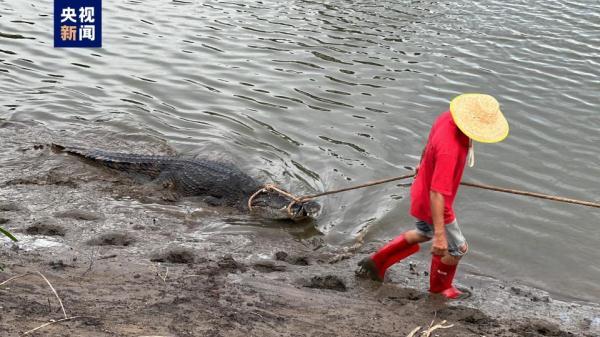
x=449, y=146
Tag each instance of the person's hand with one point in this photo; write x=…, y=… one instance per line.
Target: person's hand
x=440, y=245
x=417, y=169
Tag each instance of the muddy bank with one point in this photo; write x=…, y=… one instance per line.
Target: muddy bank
x=133, y=264
x=210, y=289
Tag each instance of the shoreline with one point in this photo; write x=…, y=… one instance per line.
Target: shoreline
x=210, y=290
x=139, y=267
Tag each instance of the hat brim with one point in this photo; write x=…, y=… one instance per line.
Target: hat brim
x=472, y=127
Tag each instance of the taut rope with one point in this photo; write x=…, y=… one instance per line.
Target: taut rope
x=372, y=183
x=532, y=194
x=296, y=199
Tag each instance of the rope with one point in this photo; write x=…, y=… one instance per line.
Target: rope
x=273, y=187
x=297, y=200
x=305, y=198
x=532, y=194
x=372, y=183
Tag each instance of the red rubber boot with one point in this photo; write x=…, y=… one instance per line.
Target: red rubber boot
x=397, y=256
x=440, y=278
x=377, y=264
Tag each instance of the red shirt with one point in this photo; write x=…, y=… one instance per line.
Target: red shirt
x=441, y=168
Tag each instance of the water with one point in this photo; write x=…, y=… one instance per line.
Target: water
x=319, y=95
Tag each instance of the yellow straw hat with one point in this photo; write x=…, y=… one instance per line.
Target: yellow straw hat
x=479, y=117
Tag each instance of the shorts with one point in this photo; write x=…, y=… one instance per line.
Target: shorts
x=453, y=235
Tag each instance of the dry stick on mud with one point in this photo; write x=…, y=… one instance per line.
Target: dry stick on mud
x=53, y=322
x=435, y=327
x=45, y=279
x=163, y=278
x=91, y=257
x=430, y=330
x=66, y=318
x=415, y=330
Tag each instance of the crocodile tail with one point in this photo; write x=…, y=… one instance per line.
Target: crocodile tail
x=73, y=150
x=57, y=147
x=132, y=163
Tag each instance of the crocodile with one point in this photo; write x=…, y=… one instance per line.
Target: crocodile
x=219, y=183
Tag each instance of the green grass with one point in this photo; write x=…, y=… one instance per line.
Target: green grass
x=7, y=234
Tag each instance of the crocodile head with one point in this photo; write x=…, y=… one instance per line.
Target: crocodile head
x=272, y=205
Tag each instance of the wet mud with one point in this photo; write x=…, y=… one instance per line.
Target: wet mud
x=112, y=239
x=175, y=255
x=331, y=282
x=45, y=227
x=132, y=267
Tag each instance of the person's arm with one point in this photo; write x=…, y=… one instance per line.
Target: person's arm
x=440, y=244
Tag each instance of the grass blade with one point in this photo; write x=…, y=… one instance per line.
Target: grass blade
x=5, y=232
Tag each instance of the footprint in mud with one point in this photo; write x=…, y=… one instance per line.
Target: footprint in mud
x=330, y=282
x=229, y=265
x=467, y=315
x=45, y=227
x=297, y=260
x=51, y=178
x=9, y=207
x=78, y=214
x=59, y=265
x=538, y=327
x=528, y=294
x=112, y=239
x=175, y=255
x=268, y=266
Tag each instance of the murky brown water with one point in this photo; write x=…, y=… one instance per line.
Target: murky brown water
x=317, y=96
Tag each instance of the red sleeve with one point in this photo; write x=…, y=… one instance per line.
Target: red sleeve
x=443, y=173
